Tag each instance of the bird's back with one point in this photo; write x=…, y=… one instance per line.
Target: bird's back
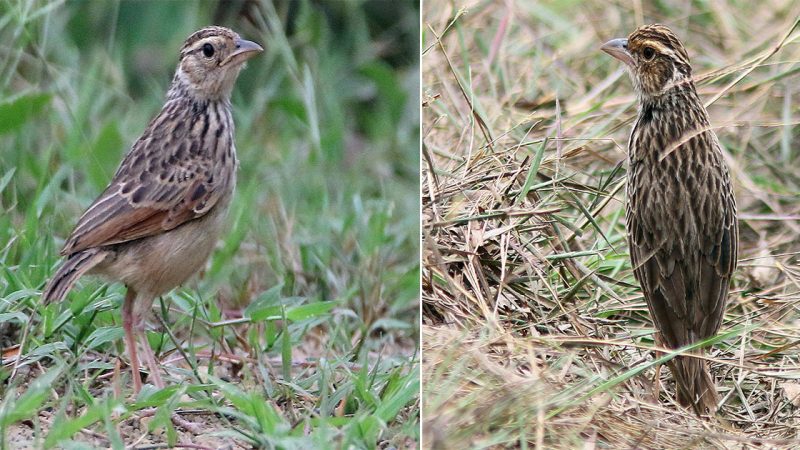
x=681, y=217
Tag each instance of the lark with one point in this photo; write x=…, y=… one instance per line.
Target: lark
x=681, y=213
x=159, y=218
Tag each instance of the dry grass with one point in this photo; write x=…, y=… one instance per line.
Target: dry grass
x=535, y=332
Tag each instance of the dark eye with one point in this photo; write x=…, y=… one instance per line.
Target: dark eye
x=208, y=50
x=648, y=53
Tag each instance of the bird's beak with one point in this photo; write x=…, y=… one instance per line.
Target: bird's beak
x=618, y=48
x=244, y=50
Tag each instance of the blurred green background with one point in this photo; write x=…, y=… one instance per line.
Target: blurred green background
x=326, y=209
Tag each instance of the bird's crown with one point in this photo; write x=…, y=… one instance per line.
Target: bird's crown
x=210, y=60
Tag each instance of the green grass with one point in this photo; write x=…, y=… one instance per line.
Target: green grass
x=535, y=331
x=322, y=254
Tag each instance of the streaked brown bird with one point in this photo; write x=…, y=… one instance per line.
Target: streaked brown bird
x=160, y=216
x=681, y=216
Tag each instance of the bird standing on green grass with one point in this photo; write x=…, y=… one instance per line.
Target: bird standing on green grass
x=156, y=223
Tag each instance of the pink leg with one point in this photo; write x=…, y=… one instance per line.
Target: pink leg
x=135, y=326
x=150, y=360
x=128, y=324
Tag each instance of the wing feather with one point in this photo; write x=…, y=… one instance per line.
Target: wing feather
x=161, y=184
x=685, y=279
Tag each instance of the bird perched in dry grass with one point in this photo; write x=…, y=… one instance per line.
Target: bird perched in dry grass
x=681, y=216
x=160, y=216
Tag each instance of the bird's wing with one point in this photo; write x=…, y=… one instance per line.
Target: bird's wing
x=718, y=258
x=160, y=185
x=685, y=280
x=664, y=287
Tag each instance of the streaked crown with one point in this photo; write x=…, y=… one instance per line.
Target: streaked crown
x=655, y=57
x=210, y=61
x=653, y=42
x=660, y=58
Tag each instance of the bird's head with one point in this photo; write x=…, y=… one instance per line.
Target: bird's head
x=655, y=58
x=210, y=61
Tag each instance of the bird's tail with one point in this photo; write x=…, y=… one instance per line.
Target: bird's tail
x=76, y=265
x=694, y=385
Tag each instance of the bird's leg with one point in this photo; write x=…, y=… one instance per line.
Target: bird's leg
x=155, y=374
x=657, y=383
x=133, y=323
x=657, y=380
x=150, y=358
x=128, y=323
